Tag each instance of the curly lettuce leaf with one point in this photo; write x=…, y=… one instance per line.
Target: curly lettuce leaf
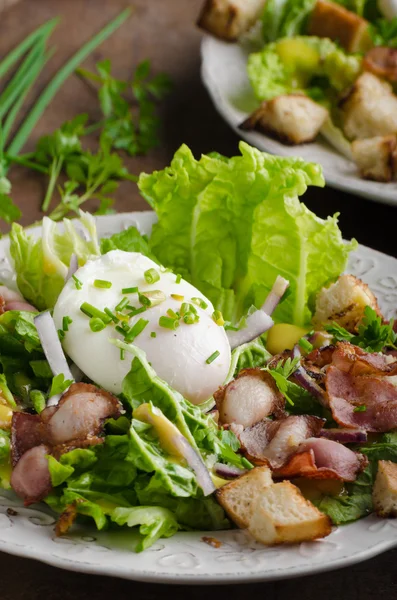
x=129, y=240
x=231, y=226
x=42, y=264
x=285, y=18
x=23, y=365
x=153, y=521
x=304, y=64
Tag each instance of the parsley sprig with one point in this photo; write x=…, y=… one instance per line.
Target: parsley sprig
x=373, y=335
x=281, y=373
x=129, y=127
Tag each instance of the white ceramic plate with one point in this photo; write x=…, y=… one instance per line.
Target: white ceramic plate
x=185, y=558
x=224, y=75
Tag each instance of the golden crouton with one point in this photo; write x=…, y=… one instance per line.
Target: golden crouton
x=293, y=119
x=333, y=21
x=282, y=515
x=344, y=302
x=384, y=493
x=376, y=157
x=239, y=497
x=369, y=109
x=273, y=513
x=229, y=19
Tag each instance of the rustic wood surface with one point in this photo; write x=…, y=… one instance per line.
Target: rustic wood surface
x=164, y=31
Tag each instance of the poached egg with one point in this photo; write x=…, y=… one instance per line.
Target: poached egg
x=178, y=356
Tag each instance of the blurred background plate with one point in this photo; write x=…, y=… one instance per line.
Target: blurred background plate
x=224, y=74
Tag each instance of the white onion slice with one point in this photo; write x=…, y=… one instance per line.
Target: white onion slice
x=256, y=324
x=196, y=463
x=51, y=345
x=73, y=266
x=227, y=471
x=276, y=293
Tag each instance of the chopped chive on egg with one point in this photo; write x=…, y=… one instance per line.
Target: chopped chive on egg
x=213, y=357
x=151, y=276
x=136, y=330
x=77, y=282
x=111, y=315
x=102, y=283
x=218, y=318
x=96, y=324
x=178, y=278
x=129, y=290
x=153, y=334
x=152, y=298
x=200, y=302
x=177, y=297
x=168, y=322
x=91, y=311
x=121, y=305
x=66, y=321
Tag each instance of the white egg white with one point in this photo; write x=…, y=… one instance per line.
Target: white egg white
x=178, y=356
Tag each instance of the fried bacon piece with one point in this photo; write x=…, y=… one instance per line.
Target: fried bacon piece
x=249, y=398
x=318, y=458
x=273, y=442
x=76, y=422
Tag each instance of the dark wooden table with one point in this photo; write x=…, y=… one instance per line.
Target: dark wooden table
x=164, y=31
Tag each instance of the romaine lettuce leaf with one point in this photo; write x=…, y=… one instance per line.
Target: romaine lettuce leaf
x=300, y=64
x=231, y=226
x=154, y=522
x=252, y=354
x=42, y=264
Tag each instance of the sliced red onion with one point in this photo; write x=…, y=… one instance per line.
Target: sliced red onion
x=256, y=324
x=51, y=345
x=276, y=293
x=304, y=379
x=73, y=266
x=228, y=472
x=345, y=436
x=296, y=352
x=196, y=463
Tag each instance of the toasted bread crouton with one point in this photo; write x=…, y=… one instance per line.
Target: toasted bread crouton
x=283, y=515
x=344, y=302
x=384, y=493
x=293, y=119
x=333, y=21
x=229, y=19
x=376, y=157
x=239, y=497
x=369, y=109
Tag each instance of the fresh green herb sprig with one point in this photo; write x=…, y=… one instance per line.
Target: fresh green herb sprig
x=132, y=129
x=373, y=335
x=281, y=372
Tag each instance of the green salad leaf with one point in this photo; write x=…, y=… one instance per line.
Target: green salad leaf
x=5, y=459
x=373, y=335
x=285, y=18
x=22, y=362
x=42, y=264
x=357, y=503
x=252, y=354
x=129, y=240
x=303, y=63
x=231, y=226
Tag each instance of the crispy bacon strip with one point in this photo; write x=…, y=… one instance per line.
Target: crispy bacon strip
x=273, y=442
x=319, y=458
x=249, y=398
x=26, y=433
x=376, y=395
x=355, y=361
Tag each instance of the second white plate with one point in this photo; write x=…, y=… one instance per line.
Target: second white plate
x=224, y=74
